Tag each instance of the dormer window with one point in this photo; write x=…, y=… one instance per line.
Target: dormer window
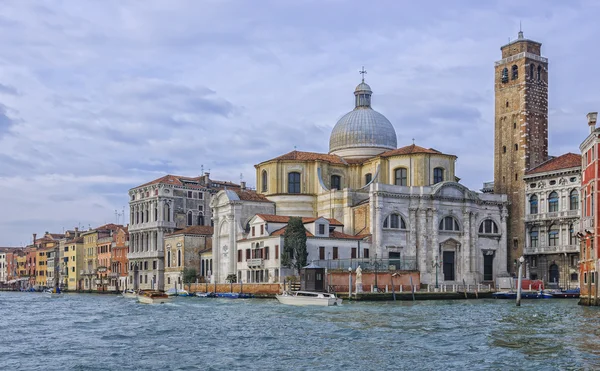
x=321, y=228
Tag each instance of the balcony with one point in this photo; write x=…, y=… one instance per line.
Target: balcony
x=554, y=215
x=87, y=272
x=145, y=254
x=588, y=223
x=570, y=249
x=150, y=225
x=254, y=263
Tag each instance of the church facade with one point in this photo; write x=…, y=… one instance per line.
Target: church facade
x=407, y=200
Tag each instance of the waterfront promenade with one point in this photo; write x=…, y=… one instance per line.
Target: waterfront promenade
x=106, y=332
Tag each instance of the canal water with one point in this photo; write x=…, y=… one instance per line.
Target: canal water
x=106, y=332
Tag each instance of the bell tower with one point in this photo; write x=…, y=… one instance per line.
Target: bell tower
x=521, y=129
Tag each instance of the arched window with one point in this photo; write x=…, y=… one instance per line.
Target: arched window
x=190, y=219
x=336, y=182
x=533, y=237
x=179, y=258
x=516, y=147
x=264, y=180
x=533, y=204
x=515, y=72
x=294, y=182
x=505, y=75
x=368, y=178
x=167, y=212
x=574, y=200
x=553, y=235
x=503, y=149
x=531, y=71
x=539, y=75
x=400, y=177
x=449, y=224
x=488, y=226
x=155, y=213
x=438, y=175
x=200, y=219
x=553, y=202
x=394, y=221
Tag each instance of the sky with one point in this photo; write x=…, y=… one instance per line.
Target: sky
x=97, y=97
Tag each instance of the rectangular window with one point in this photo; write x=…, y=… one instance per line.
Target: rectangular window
x=146, y=266
x=321, y=228
x=248, y=254
x=239, y=256
x=253, y=231
x=294, y=182
x=276, y=251
x=438, y=175
x=533, y=261
x=189, y=194
x=585, y=277
x=353, y=253
x=593, y=275
x=336, y=182
x=154, y=263
x=145, y=278
x=335, y=253
x=266, y=252
x=321, y=252
x=400, y=177
x=366, y=253
x=262, y=229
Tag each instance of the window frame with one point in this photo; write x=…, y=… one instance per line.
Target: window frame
x=294, y=180
x=335, y=181
x=553, y=202
x=402, y=179
x=438, y=175
x=264, y=181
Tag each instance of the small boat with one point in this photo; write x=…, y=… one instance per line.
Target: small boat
x=129, y=294
x=205, y=295
x=567, y=294
x=175, y=292
x=524, y=295
x=309, y=298
x=153, y=297
x=228, y=295
x=53, y=293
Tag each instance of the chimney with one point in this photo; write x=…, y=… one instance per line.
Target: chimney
x=34, y=238
x=592, y=116
x=243, y=185
x=76, y=232
x=206, y=178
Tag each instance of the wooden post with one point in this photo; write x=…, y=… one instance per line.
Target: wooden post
x=519, y=281
x=412, y=288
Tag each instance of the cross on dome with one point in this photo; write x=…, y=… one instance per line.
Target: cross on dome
x=363, y=72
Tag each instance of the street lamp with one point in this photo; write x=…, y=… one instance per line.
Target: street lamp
x=436, y=264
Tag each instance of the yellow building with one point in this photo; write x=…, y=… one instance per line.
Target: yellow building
x=40, y=274
x=90, y=259
x=73, y=255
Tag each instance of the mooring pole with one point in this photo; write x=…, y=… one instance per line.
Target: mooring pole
x=412, y=288
x=349, y=283
x=519, y=281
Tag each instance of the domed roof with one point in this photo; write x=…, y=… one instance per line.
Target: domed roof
x=363, y=127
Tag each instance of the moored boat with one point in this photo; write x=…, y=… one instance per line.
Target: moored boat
x=153, y=297
x=175, y=292
x=205, y=295
x=309, y=298
x=567, y=294
x=129, y=294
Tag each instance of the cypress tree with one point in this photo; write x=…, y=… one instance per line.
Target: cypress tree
x=294, y=245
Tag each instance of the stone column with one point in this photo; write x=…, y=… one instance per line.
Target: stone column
x=232, y=244
x=422, y=238
x=131, y=211
x=435, y=242
x=216, y=250
x=412, y=231
x=466, y=248
x=501, y=254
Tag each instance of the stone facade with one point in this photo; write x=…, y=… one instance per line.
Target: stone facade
x=521, y=129
x=552, y=213
x=158, y=208
x=182, y=251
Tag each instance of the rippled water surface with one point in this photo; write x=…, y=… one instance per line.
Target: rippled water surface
x=105, y=332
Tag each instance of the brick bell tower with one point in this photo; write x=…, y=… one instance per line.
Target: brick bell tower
x=521, y=130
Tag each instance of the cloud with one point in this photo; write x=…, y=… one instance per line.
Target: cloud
x=98, y=98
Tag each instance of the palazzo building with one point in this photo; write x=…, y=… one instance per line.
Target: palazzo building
x=406, y=200
x=161, y=207
x=552, y=221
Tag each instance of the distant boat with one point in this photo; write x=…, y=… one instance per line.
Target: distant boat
x=53, y=293
x=153, y=297
x=567, y=294
x=524, y=295
x=129, y=294
x=309, y=298
x=205, y=295
x=175, y=292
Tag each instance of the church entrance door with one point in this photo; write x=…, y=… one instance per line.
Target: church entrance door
x=448, y=259
x=554, y=275
x=488, y=267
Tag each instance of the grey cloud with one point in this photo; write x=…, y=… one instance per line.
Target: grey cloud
x=7, y=89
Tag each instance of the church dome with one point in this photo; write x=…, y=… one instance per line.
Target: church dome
x=362, y=132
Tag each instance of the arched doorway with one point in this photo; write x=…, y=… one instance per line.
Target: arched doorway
x=553, y=274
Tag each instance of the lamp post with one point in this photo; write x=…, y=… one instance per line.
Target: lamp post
x=436, y=264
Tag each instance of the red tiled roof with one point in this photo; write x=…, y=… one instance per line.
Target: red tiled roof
x=281, y=231
x=565, y=161
x=195, y=229
x=408, y=150
x=181, y=181
x=109, y=226
x=250, y=195
x=310, y=156
x=336, y=234
x=285, y=219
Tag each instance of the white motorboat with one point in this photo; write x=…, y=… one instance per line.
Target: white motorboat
x=53, y=293
x=153, y=297
x=309, y=298
x=129, y=294
x=175, y=292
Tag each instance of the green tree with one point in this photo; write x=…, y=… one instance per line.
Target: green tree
x=189, y=276
x=294, y=245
